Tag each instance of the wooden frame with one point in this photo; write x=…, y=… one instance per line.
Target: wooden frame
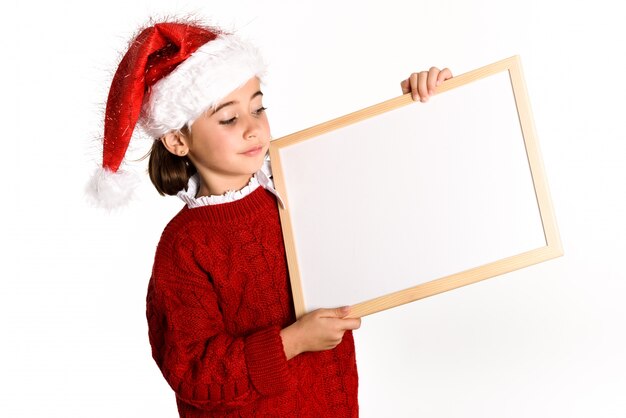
x=524, y=230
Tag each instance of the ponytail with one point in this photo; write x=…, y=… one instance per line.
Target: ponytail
x=168, y=172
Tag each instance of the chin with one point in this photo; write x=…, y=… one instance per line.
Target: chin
x=251, y=169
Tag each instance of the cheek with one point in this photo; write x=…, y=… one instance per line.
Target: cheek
x=266, y=128
x=207, y=146
x=216, y=142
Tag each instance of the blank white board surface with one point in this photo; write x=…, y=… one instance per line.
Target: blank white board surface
x=408, y=196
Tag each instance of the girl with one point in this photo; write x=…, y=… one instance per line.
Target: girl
x=221, y=322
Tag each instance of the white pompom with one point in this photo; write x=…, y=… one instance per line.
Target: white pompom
x=111, y=190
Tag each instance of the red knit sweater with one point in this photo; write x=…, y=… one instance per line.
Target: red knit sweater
x=217, y=300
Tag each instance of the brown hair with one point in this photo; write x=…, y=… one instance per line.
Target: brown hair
x=168, y=172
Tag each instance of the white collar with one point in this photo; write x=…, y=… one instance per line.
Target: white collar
x=262, y=178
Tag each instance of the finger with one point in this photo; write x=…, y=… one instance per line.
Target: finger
x=340, y=312
x=413, y=80
x=422, y=87
x=432, y=80
x=351, y=323
x=405, y=86
x=444, y=75
x=343, y=324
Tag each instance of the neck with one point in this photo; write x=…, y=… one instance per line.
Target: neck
x=219, y=186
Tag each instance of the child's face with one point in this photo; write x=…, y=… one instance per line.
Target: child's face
x=229, y=144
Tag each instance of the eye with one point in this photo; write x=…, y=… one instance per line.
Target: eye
x=260, y=110
x=228, y=121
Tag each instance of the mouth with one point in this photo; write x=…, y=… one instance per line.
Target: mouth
x=251, y=152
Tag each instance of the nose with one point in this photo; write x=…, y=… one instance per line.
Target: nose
x=253, y=126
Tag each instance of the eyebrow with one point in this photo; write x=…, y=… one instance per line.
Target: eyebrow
x=258, y=93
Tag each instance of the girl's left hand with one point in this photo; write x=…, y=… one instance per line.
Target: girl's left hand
x=422, y=85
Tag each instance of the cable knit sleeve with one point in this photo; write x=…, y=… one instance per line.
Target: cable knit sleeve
x=204, y=364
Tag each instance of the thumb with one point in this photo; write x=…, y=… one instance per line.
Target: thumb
x=341, y=312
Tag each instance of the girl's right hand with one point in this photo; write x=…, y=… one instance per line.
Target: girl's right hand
x=319, y=330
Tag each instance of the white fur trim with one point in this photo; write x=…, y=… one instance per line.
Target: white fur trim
x=110, y=190
x=200, y=82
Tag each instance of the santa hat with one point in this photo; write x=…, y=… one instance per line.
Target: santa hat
x=171, y=74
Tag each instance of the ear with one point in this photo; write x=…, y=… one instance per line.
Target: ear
x=176, y=143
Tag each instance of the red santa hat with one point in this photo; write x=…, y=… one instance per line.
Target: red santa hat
x=171, y=74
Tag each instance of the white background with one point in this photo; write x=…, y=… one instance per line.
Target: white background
x=546, y=341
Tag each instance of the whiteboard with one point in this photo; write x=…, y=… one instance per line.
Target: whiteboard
x=403, y=200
